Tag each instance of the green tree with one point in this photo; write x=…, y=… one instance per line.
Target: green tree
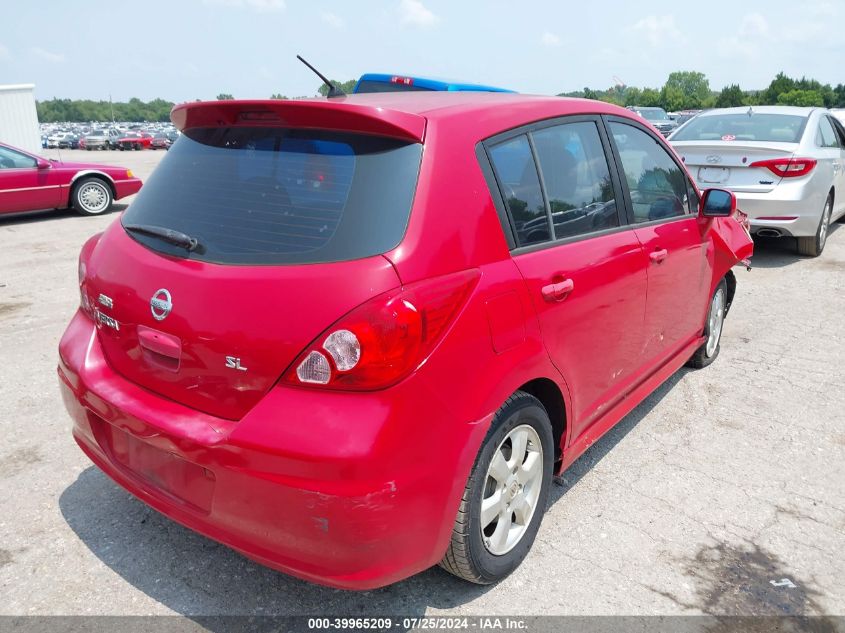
x=685, y=89
x=730, y=96
x=650, y=98
x=590, y=94
x=277, y=96
x=780, y=84
x=633, y=96
x=346, y=86
x=839, y=96
x=801, y=98
x=85, y=110
x=224, y=97
x=672, y=98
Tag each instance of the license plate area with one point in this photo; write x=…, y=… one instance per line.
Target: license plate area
x=713, y=174
x=163, y=471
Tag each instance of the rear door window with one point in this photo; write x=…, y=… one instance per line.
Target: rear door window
x=280, y=196
x=826, y=137
x=576, y=178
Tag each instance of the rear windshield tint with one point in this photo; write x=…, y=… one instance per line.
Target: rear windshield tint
x=368, y=85
x=786, y=128
x=279, y=196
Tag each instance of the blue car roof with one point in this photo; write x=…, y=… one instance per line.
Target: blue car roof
x=430, y=83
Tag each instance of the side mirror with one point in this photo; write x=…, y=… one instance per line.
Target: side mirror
x=43, y=164
x=718, y=203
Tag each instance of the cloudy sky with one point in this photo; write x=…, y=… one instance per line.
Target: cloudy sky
x=188, y=49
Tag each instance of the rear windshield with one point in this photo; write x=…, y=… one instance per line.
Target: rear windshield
x=368, y=85
x=786, y=128
x=253, y=195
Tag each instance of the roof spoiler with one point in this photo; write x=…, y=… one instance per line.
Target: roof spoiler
x=301, y=113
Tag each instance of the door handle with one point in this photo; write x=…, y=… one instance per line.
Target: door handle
x=658, y=256
x=558, y=291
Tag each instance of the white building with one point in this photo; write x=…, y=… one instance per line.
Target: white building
x=18, y=117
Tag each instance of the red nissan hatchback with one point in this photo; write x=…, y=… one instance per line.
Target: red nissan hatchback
x=353, y=338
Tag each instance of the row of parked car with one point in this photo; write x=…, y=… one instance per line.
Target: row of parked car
x=111, y=138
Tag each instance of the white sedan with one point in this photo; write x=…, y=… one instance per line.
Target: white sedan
x=785, y=164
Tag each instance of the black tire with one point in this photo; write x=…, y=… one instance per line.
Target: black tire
x=467, y=556
x=91, y=196
x=701, y=358
x=137, y=147
x=813, y=245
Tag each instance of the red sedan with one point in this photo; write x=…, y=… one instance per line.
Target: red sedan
x=31, y=183
x=353, y=338
x=134, y=140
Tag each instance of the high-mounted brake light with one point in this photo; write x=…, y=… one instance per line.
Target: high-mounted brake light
x=259, y=115
x=787, y=167
x=383, y=340
x=405, y=81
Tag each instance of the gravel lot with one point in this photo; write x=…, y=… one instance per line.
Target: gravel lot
x=722, y=481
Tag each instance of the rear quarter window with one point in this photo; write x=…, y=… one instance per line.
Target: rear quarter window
x=280, y=196
x=516, y=172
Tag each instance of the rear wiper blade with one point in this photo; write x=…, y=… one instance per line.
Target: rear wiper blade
x=172, y=236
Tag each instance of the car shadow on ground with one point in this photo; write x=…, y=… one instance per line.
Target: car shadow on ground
x=197, y=577
x=777, y=252
x=597, y=451
x=32, y=217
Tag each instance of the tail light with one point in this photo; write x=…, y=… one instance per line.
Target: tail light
x=787, y=167
x=383, y=340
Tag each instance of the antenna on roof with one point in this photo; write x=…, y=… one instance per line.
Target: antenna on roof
x=334, y=91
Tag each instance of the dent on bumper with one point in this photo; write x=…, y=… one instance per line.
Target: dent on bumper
x=351, y=500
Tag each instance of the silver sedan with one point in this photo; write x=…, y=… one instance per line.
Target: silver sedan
x=785, y=164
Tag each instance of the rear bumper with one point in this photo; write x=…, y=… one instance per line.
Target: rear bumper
x=339, y=489
x=795, y=209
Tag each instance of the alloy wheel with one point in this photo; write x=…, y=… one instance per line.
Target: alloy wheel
x=511, y=490
x=715, y=321
x=825, y=223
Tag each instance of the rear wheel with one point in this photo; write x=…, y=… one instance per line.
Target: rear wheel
x=709, y=350
x=506, y=494
x=92, y=196
x=813, y=245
